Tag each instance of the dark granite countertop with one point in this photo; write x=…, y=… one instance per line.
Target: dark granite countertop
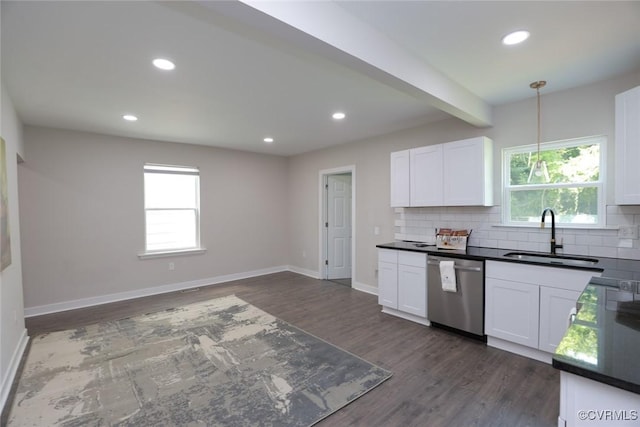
x=608, y=267
x=604, y=340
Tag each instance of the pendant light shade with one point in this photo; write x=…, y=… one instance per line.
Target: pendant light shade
x=539, y=170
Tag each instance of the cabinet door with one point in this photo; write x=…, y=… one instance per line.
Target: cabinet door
x=412, y=290
x=627, y=184
x=468, y=173
x=388, y=284
x=426, y=176
x=400, y=179
x=555, y=305
x=511, y=311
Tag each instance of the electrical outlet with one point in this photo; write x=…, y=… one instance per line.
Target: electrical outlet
x=628, y=231
x=172, y=266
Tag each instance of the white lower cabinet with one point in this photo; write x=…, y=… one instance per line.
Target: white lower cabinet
x=412, y=289
x=402, y=284
x=511, y=311
x=527, y=306
x=555, y=306
x=388, y=278
x=588, y=403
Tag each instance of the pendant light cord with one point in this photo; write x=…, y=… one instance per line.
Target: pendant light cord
x=538, y=93
x=537, y=85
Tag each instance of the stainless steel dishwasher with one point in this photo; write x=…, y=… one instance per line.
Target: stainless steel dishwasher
x=463, y=309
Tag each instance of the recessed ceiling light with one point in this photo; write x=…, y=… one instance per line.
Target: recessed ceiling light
x=515, y=37
x=339, y=116
x=164, y=64
x=268, y=140
x=130, y=117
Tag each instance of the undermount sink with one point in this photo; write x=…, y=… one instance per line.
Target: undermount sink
x=553, y=259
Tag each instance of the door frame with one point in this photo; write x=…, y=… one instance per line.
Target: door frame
x=323, y=250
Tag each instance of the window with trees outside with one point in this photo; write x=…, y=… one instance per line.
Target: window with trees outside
x=570, y=182
x=172, y=208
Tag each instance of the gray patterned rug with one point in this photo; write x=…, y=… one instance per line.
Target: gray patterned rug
x=222, y=362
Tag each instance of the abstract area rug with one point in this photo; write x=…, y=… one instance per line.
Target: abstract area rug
x=222, y=362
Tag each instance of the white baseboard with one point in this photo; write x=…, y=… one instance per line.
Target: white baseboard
x=121, y=296
x=522, y=350
x=305, y=272
x=14, y=364
x=364, y=288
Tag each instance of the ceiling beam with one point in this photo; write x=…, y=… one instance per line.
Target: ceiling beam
x=328, y=30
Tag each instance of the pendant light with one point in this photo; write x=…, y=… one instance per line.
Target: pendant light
x=539, y=170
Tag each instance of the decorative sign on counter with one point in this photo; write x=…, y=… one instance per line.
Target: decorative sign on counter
x=447, y=238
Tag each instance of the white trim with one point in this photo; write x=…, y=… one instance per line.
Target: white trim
x=14, y=364
x=530, y=352
x=364, y=288
x=558, y=227
x=305, y=272
x=321, y=249
x=600, y=184
x=120, y=296
x=177, y=252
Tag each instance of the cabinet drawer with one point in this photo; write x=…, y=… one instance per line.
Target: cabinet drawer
x=555, y=277
x=388, y=255
x=413, y=259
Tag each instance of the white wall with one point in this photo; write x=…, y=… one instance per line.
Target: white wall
x=583, y=111
x=81, y=201
x=13, y=335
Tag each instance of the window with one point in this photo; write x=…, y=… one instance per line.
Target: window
x=172, y=208
x=571, y=183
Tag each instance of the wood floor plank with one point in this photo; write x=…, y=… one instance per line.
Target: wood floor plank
x=439, y=378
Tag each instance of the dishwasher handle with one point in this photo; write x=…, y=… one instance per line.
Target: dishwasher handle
x=458, y=267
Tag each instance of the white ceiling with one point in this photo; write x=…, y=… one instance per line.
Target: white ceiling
x=246, y=70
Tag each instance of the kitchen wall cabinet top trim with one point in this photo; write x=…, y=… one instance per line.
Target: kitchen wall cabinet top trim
x=457, y=173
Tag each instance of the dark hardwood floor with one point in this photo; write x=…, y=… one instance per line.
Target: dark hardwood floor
x=439, y=378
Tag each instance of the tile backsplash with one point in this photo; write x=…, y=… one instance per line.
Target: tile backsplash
x=419, y=224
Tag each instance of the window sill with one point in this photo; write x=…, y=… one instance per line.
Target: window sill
x=559, y=226
x=171, y=253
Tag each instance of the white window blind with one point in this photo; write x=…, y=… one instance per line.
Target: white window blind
x=172, y=208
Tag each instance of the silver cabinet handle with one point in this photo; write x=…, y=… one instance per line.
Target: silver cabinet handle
x=572, y=315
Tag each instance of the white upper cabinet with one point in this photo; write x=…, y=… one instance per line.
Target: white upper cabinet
x=425, y=170
x=468, y=172
x=457, y=173
x=400, y=179
x=627, y=184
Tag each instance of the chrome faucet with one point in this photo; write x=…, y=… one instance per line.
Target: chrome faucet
x=554, y=246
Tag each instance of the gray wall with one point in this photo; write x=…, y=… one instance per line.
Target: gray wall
x=12, y=328
x=584, y=111
x=81, y=198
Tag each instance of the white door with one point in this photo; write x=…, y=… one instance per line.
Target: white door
x=425, y=170
x=512, y=311
x=399, y=170
x=339, y=226
x=555, y=305
x=412, y=290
